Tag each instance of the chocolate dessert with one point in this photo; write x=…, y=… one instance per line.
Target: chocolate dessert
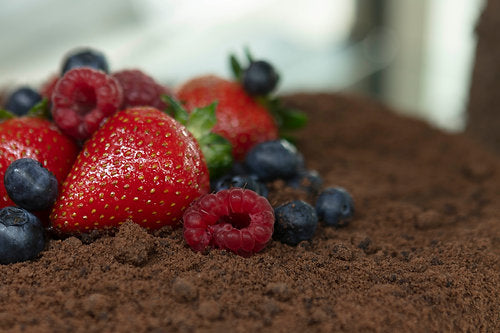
x=421, y=254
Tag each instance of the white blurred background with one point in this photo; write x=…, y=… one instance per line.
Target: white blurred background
x=415, y=55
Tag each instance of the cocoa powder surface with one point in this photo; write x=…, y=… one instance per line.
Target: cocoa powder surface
x=422, y=253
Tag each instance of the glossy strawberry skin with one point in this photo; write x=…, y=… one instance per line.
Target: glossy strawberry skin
x=240, y=119
x=38, y=139
x=141, y=165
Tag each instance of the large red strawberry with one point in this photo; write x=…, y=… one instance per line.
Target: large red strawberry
x=141, y=165
x=36, y=138
x=240, y=119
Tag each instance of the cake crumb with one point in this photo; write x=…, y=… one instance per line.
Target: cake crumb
x=209, y=310
x=184, y=290
x=279, y=290
x=342, y=252
x=133, y=245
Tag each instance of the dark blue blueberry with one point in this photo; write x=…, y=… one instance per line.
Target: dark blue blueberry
x=85, y=58
x=273, y=159
x=335, y=206
x=296, y=221
x=22, y=100
x=259, y=78
x=243, y=181
x=307, y=180
x=238, y=168
x=21, y=235
x=30, y=185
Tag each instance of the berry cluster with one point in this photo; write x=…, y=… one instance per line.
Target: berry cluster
x=94, y=148
x=297, y=220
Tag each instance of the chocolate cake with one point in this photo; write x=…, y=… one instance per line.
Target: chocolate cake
x=422, y=253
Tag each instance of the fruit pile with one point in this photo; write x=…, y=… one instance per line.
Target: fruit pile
x=92, y=149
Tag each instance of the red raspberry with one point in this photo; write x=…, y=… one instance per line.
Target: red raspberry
x=236, y=219
x=48, y=87
x=140, y=89
x=82, y=99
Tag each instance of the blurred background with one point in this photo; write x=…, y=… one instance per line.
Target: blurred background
x=415, y=55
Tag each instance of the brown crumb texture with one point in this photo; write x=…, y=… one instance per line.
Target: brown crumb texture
x=422, y=253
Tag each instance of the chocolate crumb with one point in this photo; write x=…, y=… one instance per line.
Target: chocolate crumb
x=209, y=310
x=184, y=291
x=279, y=290
x=132, y=245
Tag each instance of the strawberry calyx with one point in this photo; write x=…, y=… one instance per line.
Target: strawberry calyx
x=40, y=109
x=287, y=119
x=236, y=67
x=200, y=121
x=6, y=114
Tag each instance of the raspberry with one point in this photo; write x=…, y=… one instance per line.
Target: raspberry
x=48, y=87
x=236, y=219
x=140, y=89
x=82, y=99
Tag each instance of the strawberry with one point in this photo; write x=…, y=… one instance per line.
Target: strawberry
x=240, y=119
x=35, y=138
x=141, y=165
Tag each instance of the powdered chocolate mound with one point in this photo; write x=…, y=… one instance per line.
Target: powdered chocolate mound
x=422, y=253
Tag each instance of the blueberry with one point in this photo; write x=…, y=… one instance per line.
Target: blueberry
x=22, y=100
x=296, y=221
x=307, y=180
x=30, y=185
x=334, y=206
x=238, y=168
x=243, y=181
x=259, y=78
x=21, y=235
x=273, y=159
x=85, y=58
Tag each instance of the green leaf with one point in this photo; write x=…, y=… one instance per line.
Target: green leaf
x=40, y=109
x=248, y=54
x=217, y=151
x=175, y=109
x=293, y=119
x=235, y=67
x=286, y=118
x=288, y=137
x=5, y=114
x=202, y=120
